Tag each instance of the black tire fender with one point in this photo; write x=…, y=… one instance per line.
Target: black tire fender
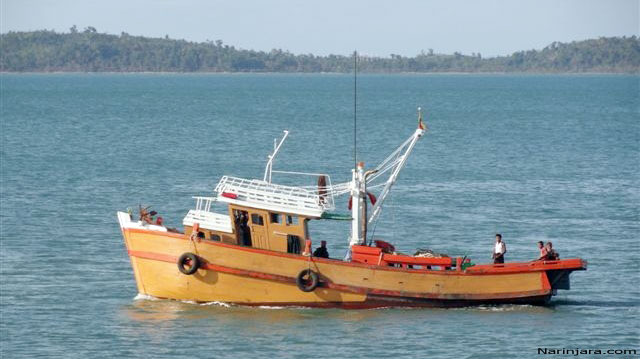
x=307, y=280
x=188, y=263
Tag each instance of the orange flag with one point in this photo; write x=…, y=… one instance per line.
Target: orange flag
x=421, y=124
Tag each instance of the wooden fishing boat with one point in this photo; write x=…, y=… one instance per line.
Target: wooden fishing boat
x=259, y=252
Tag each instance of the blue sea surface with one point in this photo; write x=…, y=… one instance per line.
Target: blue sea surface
x=553, y=158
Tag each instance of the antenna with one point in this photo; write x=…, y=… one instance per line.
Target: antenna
x=355, y=108
x=271, y=157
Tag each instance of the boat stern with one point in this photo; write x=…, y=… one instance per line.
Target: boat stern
x=559, y=278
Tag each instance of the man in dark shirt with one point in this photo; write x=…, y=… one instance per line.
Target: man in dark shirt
x=552, y=255
x=246, y=231
x=322, y=250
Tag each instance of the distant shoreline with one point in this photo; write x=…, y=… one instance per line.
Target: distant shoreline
x=92, y=52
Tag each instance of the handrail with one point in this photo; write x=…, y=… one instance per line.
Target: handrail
x=300, y=173
x=204, y=201
x=258, y=191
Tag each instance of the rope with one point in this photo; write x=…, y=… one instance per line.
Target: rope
x=375, y=225
x=193, y=241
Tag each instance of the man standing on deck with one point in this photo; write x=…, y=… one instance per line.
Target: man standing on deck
x=499, y=250
x=322, y=250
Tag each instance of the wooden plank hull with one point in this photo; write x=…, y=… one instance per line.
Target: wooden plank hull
x=250, y=276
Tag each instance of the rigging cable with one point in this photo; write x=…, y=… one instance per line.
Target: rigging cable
x=393, y=219
x=355, y=108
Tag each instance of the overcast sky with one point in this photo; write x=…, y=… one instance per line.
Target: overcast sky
x=405, y=27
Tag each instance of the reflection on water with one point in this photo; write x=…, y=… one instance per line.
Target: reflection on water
x=150, y=309
x=136, y=313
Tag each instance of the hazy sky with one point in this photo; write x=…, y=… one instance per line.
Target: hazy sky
x=491, y=27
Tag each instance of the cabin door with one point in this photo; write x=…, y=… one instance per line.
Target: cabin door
x=243, y=231
x=259, y=230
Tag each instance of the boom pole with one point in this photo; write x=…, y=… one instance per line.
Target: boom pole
x=357, y=187
x=375, y=211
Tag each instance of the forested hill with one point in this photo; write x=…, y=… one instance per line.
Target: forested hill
x=90, y=51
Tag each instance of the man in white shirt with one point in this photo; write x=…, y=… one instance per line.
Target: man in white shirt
x=499, y=250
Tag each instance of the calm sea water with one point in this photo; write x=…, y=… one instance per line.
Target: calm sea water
x=532, y=157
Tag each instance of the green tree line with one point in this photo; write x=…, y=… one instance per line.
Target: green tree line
x=91, y=51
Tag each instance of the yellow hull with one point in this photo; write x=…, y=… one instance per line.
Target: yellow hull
x=251, y=276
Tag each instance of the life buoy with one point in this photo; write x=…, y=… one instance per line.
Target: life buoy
x=372, y=199
x=307, y=280
x=188, y=263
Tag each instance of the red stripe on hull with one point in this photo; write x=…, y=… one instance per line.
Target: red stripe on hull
x=390, y=297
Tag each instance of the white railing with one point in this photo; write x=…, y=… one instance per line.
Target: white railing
x=205, y=218
x=329, y=190
x=295, y=199
x=204, y=203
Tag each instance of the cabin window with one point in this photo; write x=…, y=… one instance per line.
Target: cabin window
x=293, y=244
x=292, y=220
x=200, y=235
x=257, y=219
x=215, y=237
x=276, y=218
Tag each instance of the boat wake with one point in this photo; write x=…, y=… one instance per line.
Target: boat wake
x=141, y=296
x=270, y=307
x=595, y=303
x=501, y=308
x=220, y=304
x=152, y=298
